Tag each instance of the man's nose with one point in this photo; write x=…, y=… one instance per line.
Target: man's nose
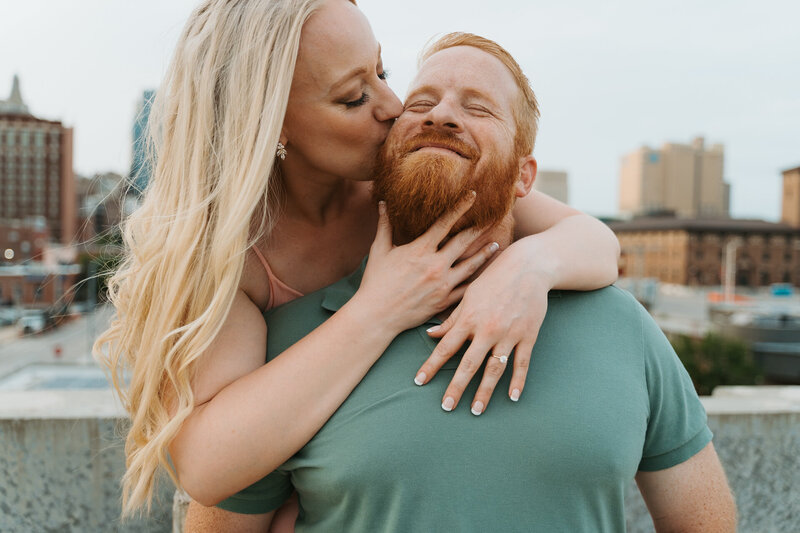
x=443, y=116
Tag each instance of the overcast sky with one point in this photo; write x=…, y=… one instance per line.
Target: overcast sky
x=610, y=76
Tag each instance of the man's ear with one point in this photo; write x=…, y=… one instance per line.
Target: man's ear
x=527, y=175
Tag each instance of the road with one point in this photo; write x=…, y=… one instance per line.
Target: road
x=74, y=339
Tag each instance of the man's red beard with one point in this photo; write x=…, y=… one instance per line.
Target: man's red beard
x=419, y=187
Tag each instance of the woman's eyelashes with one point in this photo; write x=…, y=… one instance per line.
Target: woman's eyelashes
x=356, y=103
x=383, y=75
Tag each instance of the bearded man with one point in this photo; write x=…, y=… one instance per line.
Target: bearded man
x=609, y=401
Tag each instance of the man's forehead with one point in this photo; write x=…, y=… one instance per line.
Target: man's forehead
x=464, y=68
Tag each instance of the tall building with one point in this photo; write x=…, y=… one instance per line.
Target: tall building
x=682, y=179
x=552, y=183
x=790, y=212
x=36, y=178
x=140, y=170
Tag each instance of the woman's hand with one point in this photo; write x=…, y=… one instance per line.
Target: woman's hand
x=501, y=312
x=406, y=285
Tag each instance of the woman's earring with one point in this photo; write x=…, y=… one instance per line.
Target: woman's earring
x=281, y=152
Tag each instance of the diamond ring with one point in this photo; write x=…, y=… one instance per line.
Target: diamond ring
x=501, y=358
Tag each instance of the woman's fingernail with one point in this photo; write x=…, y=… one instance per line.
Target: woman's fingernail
x=382, y=207
x=473, y=194
x=433, y=329
x=448, y=404
x=515, y=395
x=477, y=408
x=420, y=379
x=494, y=247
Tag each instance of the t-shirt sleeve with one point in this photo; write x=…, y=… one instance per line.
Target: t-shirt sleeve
x=262, y=496
x=677, y=426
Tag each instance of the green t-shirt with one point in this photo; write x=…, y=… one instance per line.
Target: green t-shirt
x=605, y=396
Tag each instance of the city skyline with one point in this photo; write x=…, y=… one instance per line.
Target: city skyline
x=609, y=78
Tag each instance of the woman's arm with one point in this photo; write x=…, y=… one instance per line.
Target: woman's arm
x=574, y=250
x=503, y=309
x=242, y=429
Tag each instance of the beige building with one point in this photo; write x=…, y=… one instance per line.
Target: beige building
x=552, y=183
x=36, y=178
x=790, y=212
x=682, y=179
x=690, y=251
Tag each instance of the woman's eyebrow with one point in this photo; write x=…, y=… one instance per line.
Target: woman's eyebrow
x=358, y=71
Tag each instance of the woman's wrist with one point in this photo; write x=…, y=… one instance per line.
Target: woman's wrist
x=536, y=259
x=368, y=314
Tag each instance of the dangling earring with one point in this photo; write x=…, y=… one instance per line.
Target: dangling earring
x=281, y=152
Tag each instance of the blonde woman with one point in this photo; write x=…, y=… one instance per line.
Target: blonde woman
x=264, y=134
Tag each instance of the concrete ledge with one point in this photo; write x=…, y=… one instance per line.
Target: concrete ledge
x=757, y=437
x=59, y=404
x=61, y=458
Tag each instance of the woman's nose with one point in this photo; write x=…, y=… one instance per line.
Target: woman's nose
x=390, y=107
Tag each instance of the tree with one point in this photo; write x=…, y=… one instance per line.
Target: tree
x=716, y=360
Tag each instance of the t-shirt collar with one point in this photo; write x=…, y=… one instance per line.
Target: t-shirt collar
x=338, y=294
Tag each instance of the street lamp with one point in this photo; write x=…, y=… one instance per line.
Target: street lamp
x=730, y=268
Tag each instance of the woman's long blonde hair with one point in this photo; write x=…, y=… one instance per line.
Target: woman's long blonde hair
x=213, y=131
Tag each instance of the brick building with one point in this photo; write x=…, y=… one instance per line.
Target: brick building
x=23, y=240
x=690, y=251
x=37, y=285
x=36, y=178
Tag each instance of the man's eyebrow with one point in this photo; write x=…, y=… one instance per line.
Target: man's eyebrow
x=358, y=71
x=481, y=95
x=429, y=89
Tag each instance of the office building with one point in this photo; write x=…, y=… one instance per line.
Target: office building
x=684, y=180
x=790, y=211
x=552, y=183
x=36, y=177
x=140, y=169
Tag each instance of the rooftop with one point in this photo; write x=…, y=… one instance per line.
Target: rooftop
x=725, y=225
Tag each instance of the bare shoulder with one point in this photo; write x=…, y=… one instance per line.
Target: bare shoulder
x=239, y=348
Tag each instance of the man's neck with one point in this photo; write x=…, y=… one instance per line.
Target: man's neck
x=502, y=234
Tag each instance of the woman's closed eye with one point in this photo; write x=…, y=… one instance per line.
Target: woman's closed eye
x=358, y=102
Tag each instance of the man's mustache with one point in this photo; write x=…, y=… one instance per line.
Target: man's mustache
x=441, y=139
